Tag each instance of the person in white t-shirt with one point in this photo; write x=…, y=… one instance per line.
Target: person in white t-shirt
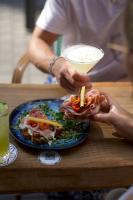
x=121, y=119
x=90, y=22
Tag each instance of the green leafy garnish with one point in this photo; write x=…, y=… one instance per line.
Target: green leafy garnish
x=72, y=129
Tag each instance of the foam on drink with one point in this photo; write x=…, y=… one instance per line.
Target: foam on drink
x=83, y=57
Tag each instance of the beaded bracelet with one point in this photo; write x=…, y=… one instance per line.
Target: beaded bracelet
x=52, y=62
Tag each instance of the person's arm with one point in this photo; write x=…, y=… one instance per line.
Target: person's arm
x=39, y=48
x=40, y=53
x=121, y=119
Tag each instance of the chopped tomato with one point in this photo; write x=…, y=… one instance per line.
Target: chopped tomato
x=76, y=107
x=43, y=126
x=31, y=123
x=37, y=113
x=75, y=103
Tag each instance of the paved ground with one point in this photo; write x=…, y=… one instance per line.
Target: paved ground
x=14, y=40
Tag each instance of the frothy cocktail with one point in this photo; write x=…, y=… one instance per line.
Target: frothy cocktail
x=83, y=57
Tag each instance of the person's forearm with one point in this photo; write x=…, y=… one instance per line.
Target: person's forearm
x=125, y=125
x=40, y=53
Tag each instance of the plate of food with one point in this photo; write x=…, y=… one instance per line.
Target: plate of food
x=41, y=124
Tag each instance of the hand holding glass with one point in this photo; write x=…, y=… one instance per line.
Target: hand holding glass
x=83, y=58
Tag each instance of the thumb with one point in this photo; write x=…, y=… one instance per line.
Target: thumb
x=81, y=77
x=102, y=117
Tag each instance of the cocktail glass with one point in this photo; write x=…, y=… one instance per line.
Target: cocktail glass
x=83, y=57
x=8, y=152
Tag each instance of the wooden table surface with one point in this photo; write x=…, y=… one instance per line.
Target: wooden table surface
x=101, y=161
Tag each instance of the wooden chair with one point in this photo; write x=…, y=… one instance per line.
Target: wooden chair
x=20, y=68
x=24, y=62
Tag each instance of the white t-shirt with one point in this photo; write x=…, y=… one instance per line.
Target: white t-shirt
x=93, y=22
x=127, y=195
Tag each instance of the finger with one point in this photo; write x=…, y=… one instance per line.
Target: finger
x=102, y=117
x=110, y=99
x=77, y=79
x=80, y=84
x=105, y=103
x=67, y=85
x=81, y=77
x=81, y=80
x=68, y=76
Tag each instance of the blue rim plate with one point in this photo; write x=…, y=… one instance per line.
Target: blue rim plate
x=53, y=104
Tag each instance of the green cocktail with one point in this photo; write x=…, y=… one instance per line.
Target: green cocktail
x=4, y=132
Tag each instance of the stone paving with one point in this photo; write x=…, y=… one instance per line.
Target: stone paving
x=14, y=39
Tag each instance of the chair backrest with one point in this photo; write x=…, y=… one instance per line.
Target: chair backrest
x=20, y=68
x=22, y=65
x=25, y=60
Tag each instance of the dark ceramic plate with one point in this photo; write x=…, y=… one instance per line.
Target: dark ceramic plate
x=53, y=104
